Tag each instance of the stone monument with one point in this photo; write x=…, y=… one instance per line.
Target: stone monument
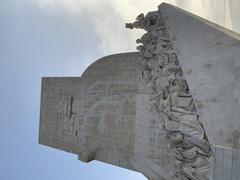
x=170, y=111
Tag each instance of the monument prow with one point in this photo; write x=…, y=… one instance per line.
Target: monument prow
x=169, y=111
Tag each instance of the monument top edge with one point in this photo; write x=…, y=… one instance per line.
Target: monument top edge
x=225, y=30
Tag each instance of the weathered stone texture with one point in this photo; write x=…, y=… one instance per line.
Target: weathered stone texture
x=170, y=111
x=105, y=115
x=210, y=59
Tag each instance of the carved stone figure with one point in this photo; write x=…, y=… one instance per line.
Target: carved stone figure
x=166, y=77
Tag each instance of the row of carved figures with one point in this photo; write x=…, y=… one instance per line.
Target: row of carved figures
x=172, y=99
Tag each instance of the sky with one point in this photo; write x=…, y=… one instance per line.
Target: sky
x=40, y=38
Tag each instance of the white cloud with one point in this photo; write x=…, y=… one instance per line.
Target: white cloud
x=109, y=16
x=70, y=5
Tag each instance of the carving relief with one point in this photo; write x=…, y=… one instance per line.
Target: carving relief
x=161, y=70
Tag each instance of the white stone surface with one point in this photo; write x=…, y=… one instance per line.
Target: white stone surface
x=106, y=115
x=109, y=114
x=225, y=163
x=210, y=60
